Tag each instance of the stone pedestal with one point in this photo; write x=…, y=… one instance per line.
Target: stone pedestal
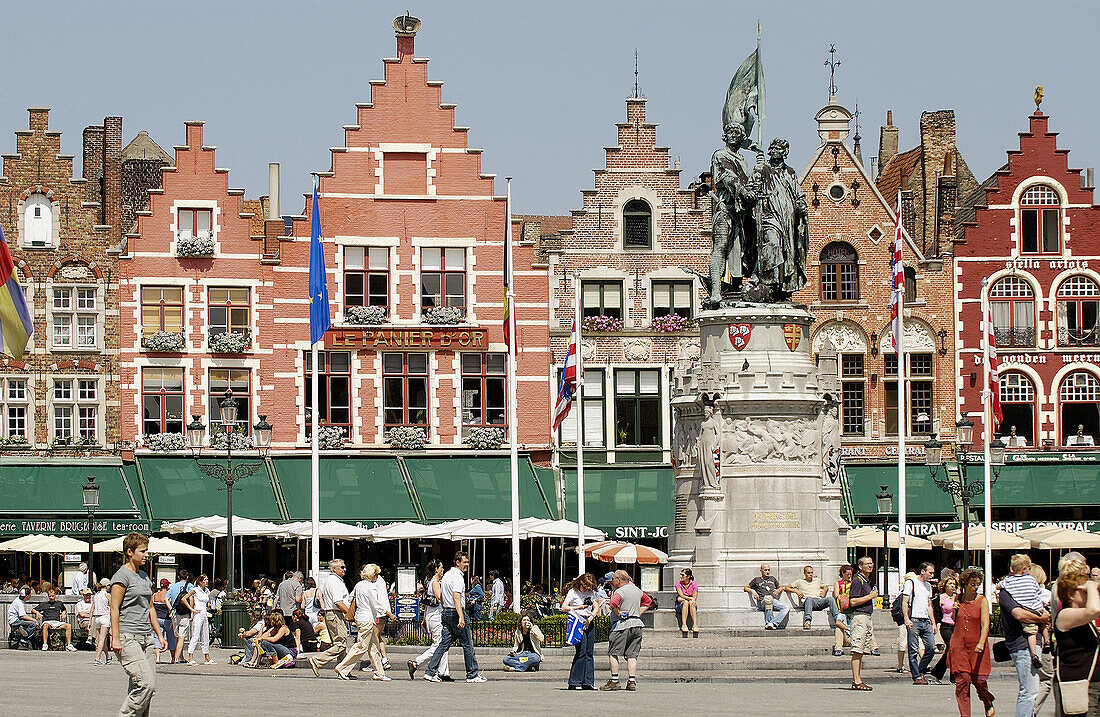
x=770, y=492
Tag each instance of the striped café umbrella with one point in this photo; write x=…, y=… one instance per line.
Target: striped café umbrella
x=630, y=553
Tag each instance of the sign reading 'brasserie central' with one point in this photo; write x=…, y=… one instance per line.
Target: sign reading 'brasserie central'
x=436, y=337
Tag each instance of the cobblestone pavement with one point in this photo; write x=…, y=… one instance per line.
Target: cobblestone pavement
x=59, y=683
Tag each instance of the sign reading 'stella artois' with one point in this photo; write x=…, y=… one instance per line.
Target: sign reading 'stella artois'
x=436, y=337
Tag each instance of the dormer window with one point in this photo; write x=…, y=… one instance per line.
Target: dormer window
x=38, y=222
x=637, y=225
x=1040, y=221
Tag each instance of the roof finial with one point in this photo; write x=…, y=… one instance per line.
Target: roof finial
x=855, y=116
x=1038, y=97
x=635, y=73
x=832, y=63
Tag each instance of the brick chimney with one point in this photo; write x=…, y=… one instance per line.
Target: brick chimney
x=406, y=28
x=111, y=208
x=887, y=142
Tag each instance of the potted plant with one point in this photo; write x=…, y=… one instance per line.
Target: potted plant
x=602, y=324
x=330, y=438
x=671, y=324
x=195, y=246
x=164, y=442
x=365, y=315
x=230, y=342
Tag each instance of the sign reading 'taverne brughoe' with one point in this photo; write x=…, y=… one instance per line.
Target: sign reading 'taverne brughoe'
x=454, y=339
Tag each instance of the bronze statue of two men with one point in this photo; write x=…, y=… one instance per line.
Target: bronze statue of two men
x=760, y=228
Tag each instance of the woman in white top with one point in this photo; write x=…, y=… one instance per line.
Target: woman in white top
x=196, y=601
x=383, y=593
x=309, y=602
x=101, y=622
x=582, y=602
x=432, y=606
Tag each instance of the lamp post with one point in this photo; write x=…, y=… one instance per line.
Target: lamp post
x=885, y=509
x=228, y=473
x=962, y=489
x=90, y=493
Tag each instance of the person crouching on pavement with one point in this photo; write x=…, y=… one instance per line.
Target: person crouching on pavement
x=526, y=651
x=628, y=604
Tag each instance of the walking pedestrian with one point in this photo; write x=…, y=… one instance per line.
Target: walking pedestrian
x=101, y=622
x=164, y=616
x=431, y=605
x=383, y=605
x=453, y=590
x=1078, y=642
x=310, y=602
x=582, y=602
x=968, y=652
x=496, y=596
x=920, y=623
x=181, y=614
x=365, y=609
x=197, y=601
x=861, y=601
x=334, y=608
x=628, y=604
x=133, y=619
x=1013, y=617
x=946, y=600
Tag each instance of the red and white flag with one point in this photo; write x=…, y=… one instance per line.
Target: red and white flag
x=567, y=387
x=898, y=283
x=994, y=365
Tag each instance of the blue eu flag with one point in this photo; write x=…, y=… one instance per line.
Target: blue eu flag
x=320, y=319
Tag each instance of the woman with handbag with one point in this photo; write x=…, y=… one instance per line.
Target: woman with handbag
x=1077, y=644
x=968, y=653
x=581, y=603
x=431, y=606
x=945, y=625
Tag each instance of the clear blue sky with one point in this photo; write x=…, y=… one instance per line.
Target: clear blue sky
x=542, y=84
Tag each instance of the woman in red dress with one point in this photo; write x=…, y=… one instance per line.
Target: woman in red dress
x=968, y=653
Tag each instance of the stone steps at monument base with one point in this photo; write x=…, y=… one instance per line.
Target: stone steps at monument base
x=749, y=621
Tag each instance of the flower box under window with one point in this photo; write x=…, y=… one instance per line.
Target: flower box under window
x=365, y=315
x=189, y=246
x=230, y=342
x=165, y=341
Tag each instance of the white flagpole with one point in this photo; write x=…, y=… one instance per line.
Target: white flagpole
x=513, y=432
x=987, y=428
x=315, y=468
x=579, y=405
x=903, y=426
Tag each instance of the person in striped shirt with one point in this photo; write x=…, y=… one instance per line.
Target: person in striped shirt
x=1025, y=590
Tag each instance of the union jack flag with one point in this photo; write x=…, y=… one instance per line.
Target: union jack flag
x=899, y=282
x=568, y=384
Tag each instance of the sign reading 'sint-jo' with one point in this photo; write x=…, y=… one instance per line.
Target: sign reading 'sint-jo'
x=453, y=339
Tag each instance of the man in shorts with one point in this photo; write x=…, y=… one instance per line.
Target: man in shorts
x=53, y=616
x=628, y=604
x=861, y=601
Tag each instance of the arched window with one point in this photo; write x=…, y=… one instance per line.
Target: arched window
x=1079, y=409
x=1079, y=312
x=1040, y=221
x=637, y=225
x=1012, y=303
x=37, y=221
x=1018, y=407
x=839, y=272
x=910, y=284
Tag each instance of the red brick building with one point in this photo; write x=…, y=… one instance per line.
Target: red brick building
x=1029, y=240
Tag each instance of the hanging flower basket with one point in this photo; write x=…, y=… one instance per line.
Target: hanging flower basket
x=602, y=323
x=163, y=341
x=671, y=324
x=408, y=438
x=164, y=442
x=485, y=438
x=330, y=438
x=229, y=342
x=444, y=315
x=191, y=247
x=365, y=315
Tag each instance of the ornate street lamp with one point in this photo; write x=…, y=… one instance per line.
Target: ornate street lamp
x=228, y=473
x=90, y=493
x=962, y=489
x=885, y=510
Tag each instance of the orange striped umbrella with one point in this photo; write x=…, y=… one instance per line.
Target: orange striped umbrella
x=630, y=553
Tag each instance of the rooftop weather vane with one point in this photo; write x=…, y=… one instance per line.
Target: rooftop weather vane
x=635, y=73
x=832, y=63
x=855, y=116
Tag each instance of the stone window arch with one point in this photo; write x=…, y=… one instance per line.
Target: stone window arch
x=1079, y=409
x=41, y=222
x=1019, y=410
x=839, y=272
x=637, y=225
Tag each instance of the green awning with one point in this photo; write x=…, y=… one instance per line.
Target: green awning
x=1034, y=485
x=52, y=487
x=177, y=490
x=456, y=487
x=626, y=501
x=366, y=490
x=923, y=497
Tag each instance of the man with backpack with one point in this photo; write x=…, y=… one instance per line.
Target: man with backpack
x=181, y=615
x=915, y=602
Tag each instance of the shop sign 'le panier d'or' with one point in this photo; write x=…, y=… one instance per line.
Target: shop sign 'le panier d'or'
x=435, y=337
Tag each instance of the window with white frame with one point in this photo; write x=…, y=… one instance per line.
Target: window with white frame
x=1018, y=410
x=1040, y=221
x=18, y=414
x=75, y=407
x=1012, y=303
x=1079, y=312
x=194, y=223
x=637, y=407
x=442, y=277
x=483, y=379
x=75, y=317
x=593, y=412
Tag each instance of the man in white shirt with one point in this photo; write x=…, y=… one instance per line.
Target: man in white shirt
x=334, y=608
x=80, y=580
x=385, y=615
x=920, y=621
x=454, y=622
x=496, y=597
x=365, y=609
x=18, y=618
